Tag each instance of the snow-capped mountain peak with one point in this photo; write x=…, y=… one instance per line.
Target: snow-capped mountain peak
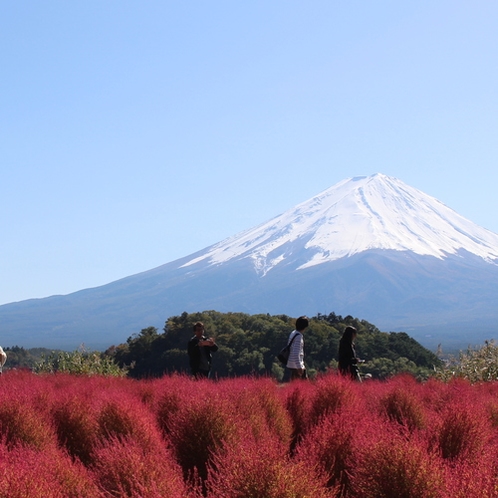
x=353, y=216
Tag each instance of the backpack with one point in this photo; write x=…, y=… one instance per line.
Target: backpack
x=283, y=356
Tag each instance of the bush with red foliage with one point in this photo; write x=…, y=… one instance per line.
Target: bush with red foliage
x=201, y=427
x=124, y=468
x=125, y=416
x=75, y=420
x=29, y=473
x=463, y=432
x=333, y=444
x=391, y=466
x=256, y=469
x=259, y=407
x=402, y=406
x=62, y=435
x=167, y=395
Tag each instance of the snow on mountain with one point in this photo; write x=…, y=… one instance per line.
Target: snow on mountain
x=353, y=216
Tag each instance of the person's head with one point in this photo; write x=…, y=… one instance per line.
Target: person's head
x=349, y=334
x=302, y=323
x=198, y=329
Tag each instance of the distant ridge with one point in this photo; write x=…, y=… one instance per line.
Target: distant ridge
x=371, y=247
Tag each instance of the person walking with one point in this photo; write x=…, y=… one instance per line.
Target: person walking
x=200, y=350
x=348, y=361
x=295, y=368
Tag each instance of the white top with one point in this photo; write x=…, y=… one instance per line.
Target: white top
x=296, y=357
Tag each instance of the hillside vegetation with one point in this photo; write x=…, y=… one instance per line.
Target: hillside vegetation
x=248, y=345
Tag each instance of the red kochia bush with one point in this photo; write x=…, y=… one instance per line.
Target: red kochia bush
x=29, y=473
x=332, y=393
x=257, y=469
x=401, y=405
x=394, y=467
x=308, y=402
x=297, y=399
x=463, y=432
x=332, y=446
x=246, y=437
x=259, y=407
x=127, y=417
x=170, y=394
x=124, y=468
x=201, y=427
x=21, y=424
x=466, y=479
x=77, y=427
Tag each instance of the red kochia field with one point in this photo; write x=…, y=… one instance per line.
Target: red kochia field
x=67, y=436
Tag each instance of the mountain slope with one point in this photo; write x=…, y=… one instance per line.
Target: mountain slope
x=371, y=247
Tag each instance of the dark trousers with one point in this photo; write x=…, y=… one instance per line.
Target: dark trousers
x=293, y=374
x=202, y=374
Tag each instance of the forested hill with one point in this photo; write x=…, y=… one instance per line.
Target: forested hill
x=248, y=345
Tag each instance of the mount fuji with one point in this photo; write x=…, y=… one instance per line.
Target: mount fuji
x=371, y=247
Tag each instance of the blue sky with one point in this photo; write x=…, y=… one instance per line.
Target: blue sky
x=135, y=133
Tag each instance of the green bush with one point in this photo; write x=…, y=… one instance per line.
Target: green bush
x=476, y=364
x=80, y=362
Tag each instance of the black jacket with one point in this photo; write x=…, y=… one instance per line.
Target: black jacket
x=347, y=358
x=194, y=353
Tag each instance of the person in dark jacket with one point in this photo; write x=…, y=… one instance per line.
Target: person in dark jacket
x=199, y=350
x=348, y=361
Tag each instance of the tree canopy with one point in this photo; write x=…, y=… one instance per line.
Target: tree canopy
x=248, y=345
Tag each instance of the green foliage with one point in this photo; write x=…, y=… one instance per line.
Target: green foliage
x=384, y=368
x=18, y=357
x=475, y=364
x=80, y=362
x=248, y=345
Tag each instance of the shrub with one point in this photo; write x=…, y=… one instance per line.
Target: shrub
x=20, y=423
x=126, y=417
x=124, y=468
x=255, y=469
x=394, y=467
x=463, y=432
x=259, y=406
x=332, y=393
x=298, y=405
x=464, y=480
x=403, y=407
x=200, y=428
x=331, y=446
x=81, y=362
x=77, y=427
x=171, y=393
x=475, y=364
x=29, y=473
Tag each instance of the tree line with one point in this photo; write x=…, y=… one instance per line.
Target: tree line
x=248, y=345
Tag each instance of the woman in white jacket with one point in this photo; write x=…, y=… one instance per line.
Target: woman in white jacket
x=295, y=368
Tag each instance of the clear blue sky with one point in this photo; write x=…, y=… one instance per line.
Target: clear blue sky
x=135, y=133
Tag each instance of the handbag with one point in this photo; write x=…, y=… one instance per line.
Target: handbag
x=283, y=356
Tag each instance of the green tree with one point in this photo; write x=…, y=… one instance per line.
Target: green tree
x=248, y=345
